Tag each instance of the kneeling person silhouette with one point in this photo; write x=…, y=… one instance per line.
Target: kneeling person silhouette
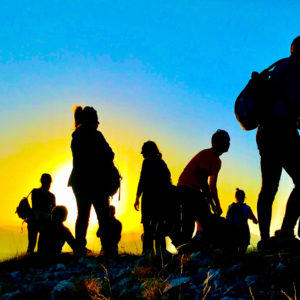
x=54, y=234
x=197, y=191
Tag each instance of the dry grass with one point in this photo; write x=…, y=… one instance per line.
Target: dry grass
x=88, y=289
x=154, y=288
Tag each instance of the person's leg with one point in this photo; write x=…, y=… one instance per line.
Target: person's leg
x=186, y=216
x=270, y=172
x=32, y=236
x=201, y=213
x=160, y=237
x=292, y=166
x=83, y=214
x=148, y=237
x=244, y=239
x=101, y=205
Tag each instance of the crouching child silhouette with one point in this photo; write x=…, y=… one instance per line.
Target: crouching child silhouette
x=54, y=233
x=237, y=215
x=115, y=230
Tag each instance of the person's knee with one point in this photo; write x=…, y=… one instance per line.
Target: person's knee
x=83, y=218
x=267, y=194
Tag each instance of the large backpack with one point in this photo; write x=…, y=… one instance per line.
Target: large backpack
x=249, y=105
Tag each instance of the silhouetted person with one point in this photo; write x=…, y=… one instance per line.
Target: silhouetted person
x=237, y=215
x=154, y=187
x=43, y=202
x=197, y=195
x=115, y=230
x=54, y=234
x=92, y=157
x=278, y=144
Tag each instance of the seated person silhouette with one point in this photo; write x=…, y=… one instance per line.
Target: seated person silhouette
x=237, y=215
x=43, y=202
x=115, y=230
x=54, y=234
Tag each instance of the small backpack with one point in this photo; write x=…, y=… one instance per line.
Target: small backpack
x=23, y=210
x=236, y=217
x=113, y=180
x=249, y=105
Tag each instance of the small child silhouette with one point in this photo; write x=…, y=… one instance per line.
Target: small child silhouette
x=54, y=234
x=115, y=230
x=237, y=215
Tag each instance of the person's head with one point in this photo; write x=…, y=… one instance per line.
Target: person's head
x=240, y=195
x=86, y=116
x=220, y=141
x=150, y=150
x=295, y=47
x=46, y=181
x=112, y=211
x=59, y=213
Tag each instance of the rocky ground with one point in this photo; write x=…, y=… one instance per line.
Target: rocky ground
x=195, y=276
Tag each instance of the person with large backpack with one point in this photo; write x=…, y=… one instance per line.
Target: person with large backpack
x=91, y=177
x=43, y=201
x=237, y=215
x=279, y=145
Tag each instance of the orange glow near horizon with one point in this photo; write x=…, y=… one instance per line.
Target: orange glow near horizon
x=26, y=161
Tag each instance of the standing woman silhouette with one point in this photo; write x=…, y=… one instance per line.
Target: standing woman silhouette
x=92, y=158
x=154, y=187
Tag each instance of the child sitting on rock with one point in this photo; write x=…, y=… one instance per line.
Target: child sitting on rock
x=54, y=234
x=237, y=215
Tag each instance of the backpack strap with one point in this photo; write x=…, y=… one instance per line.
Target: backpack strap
x=273, y=65
x=29, y=193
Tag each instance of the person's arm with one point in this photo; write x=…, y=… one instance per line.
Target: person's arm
x=214, y=194
x=167, y=174
x=139, y=189
x=70, y=239
x=119, y=230
x=252, y=217
x=229, y=213
x=205, y=187
x=53, y=204
x=107, y=151
x=137, y=202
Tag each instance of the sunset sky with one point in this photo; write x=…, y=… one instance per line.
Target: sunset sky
x=167, y=71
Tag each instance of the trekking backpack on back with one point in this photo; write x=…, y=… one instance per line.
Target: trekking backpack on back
x=249, y=105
